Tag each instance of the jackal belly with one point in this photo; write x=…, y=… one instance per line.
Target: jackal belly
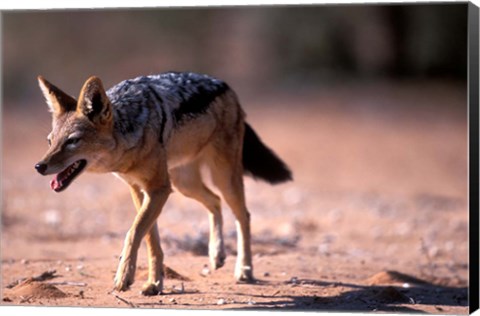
x=188, y=140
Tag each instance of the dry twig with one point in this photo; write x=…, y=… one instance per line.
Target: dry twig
x=68, y=283
x=124, y=300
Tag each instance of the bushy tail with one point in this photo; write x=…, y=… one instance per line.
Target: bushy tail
x=260, y=161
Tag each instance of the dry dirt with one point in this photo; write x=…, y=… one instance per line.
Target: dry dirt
x=375, y=220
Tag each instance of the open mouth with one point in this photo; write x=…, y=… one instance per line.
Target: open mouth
x=63, y=179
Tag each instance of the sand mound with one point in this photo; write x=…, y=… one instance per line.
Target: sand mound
x=169, y=273
x=391, y=295
x=33, y=289
x=392, y=277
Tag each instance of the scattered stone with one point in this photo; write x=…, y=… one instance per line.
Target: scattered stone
x=179, y=290
x=205, y=271
x=221, y=302
x=324, y=249
x=293, y=196
x=52, y=218
x=293, y=280
x=24, y=261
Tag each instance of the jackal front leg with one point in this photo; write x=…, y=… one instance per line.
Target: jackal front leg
x=153, y=201
x=154, y=285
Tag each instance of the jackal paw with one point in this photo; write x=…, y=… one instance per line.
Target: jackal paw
x=152, y=288
x=122, y=285
x=244, y=275
x=217, y=261
x=124, y=277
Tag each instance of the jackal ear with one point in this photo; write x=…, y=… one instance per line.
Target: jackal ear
x=58, y=101
x=94, y=103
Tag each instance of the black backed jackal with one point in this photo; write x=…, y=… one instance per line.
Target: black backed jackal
x=154, y=132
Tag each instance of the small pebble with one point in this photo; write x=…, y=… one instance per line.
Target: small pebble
x=205, y=271
x=52, y=217
x=266, y=274
x=68, y=268
x=294, y=280
x=179, y=290
x=221, y=302
x=24, y=261
x=80, y=267
x=251, y=303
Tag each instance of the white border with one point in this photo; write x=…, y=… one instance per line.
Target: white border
x=87, y=4
x=81, y=311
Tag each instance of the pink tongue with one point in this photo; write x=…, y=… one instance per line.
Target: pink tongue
x=55, y=184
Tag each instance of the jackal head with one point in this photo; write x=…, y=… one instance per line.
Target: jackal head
x=81, y=132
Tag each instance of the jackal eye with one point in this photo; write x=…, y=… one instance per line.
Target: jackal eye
x=49, y=142
x=72, y=141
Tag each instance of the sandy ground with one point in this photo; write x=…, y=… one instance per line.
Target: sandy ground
x=375, y=220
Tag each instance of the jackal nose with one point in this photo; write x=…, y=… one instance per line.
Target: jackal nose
x=41, y=168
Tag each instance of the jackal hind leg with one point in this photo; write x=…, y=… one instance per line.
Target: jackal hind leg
x=227, y=175
x=187, y=179
x=154, y=198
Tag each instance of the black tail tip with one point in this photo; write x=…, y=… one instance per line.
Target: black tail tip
x=261, y=162
x=280, y=174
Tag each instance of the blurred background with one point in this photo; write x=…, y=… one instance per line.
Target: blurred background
x=367, y=104
x=253, y=48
